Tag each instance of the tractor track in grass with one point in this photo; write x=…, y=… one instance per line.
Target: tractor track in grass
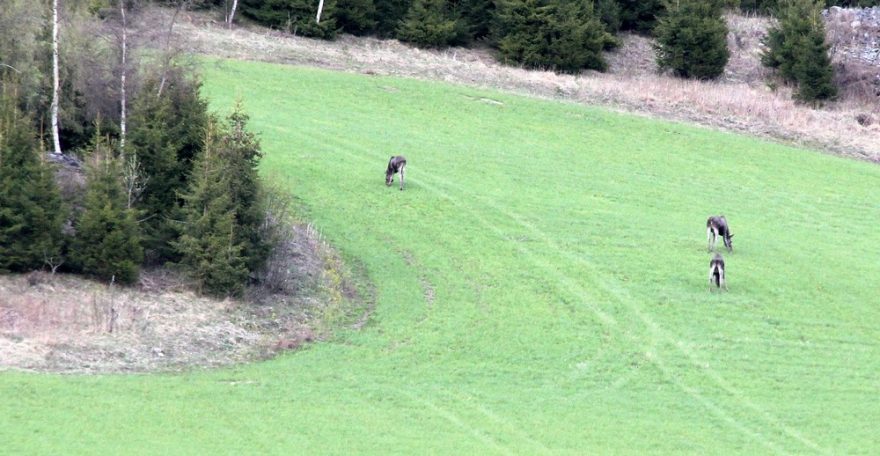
x=615, y=294
x=604, y=317
x=623, y=297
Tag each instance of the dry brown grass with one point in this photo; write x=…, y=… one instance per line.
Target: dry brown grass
x=740, y=101
x=65, y=323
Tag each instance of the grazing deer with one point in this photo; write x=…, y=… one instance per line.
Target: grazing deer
x=717, y=226
x=395, y=165
x=716, y=272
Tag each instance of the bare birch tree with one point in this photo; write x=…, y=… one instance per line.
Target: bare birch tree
x=56, y=84
x=231, y=16
x=122, y=93
x=320, y=8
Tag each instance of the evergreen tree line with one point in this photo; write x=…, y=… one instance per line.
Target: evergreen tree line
x=563, y=35
x=142, y=203
x=185, y=191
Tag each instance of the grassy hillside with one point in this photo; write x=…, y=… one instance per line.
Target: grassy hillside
x=541, y=289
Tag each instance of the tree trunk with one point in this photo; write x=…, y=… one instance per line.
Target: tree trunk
x=167, y=57
x=320, y=8
x=232, y=13
x=56, y=84
x=122, y=114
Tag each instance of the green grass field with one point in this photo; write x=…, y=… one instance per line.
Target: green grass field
x=541, y=288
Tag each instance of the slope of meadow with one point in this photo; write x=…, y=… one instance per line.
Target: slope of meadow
x=540, y=288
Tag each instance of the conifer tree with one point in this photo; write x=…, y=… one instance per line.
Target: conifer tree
x=608, y=11
x=166, y=133
x=240, y=150
x=428, y=23
x=357, y=17
x=640, y=15
x=107, y=243
x=796, y=48
x=389, y=13
x=562, y=35
x=692, y=39
x=210, y=247
x=31, y=210
x=477, y=16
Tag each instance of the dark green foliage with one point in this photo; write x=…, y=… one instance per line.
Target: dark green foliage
x=477, y=16
x=609, y=13
x=796, y=48
x=429, y=23
x=561, y=35
x=166, y=132
x=357, y=17
x=294, y=16
x=389, y=14
x=210, y=247
x=223, y=239
x=31, y=213
x=758, y=6
x=107, y=243
x=692, y=39
x=813, y=70
x=241, y=152
x=640, y=15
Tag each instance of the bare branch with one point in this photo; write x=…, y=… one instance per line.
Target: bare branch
x=10, y=67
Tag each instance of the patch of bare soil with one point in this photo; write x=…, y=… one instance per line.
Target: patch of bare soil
x=740, y=101
x=63, y=323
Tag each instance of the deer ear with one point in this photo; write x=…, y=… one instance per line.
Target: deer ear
x=732, y=235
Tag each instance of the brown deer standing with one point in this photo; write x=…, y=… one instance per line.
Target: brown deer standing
x=395, y=165
x=716, y=226
x=716, y=272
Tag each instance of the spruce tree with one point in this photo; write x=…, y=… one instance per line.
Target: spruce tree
x=31, y=210
x=562, y=35
x=357, y=17
x=210, y=246
x=240, y=152
x=640, y=15
x=167, y=131
x=796, y=48
x=389, y=13
x=107, y=243
x=692, y=39
x=813, y=71
x=429, y=24
x=609, y=13
x=477, y=16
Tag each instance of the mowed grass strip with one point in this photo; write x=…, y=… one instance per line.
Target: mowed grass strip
x=541, y=288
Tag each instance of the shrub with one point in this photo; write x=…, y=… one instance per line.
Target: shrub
x=692, y=39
